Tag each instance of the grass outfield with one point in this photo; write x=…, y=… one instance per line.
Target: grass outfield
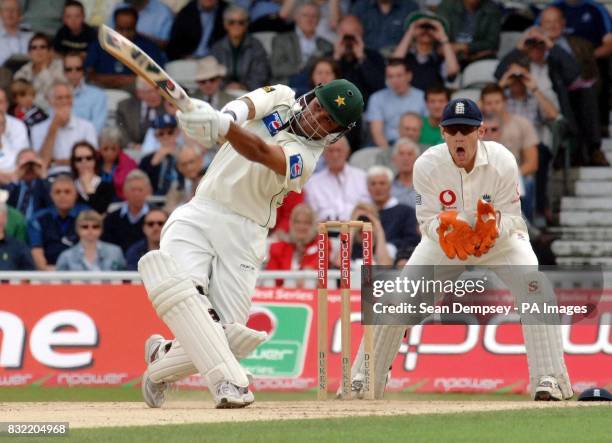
x=544, y=425
x=88, y=394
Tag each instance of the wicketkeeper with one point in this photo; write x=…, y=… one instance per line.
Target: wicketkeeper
x=468, y=208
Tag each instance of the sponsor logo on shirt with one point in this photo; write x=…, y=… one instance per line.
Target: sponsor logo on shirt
x=296, y=165
x=273, y=123
x=447, y=198
x=486, y=197
x=419, y=200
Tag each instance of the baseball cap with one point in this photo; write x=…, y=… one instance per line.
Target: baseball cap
x=595, y=394
x=461, y=111
x=164, y=121
x=418, y=15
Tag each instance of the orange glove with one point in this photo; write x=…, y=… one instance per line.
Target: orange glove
x=486, y=227
x=456, y=237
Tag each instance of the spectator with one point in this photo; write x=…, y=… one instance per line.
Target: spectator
x=269, y=15
x=333, y=192
x=85, y=167
x=210, y=76
x=323, y=70
x=8, y=155
x=244, y=57
x=22, y=93
x=492, y=124
x=386, y=106
x=51, y=230
x=525, y=98
x=16, y=130
x=89, y=101
x=90, y=254
x=16, y=226
x=294, y=52
x=43, y=70
x=427, y=50
x=368, y=213
x=331, y=13
x=154, y=221
x=54, y=137
x=410, y=126
x=191, y=166
x=405, y=153
x=154, y=20
x=283, y=213
x=116, y=164
x=474, y=27
x=14, y=254
x=436, y=99
x=160, y=165
x=13, y=41
x=103, y=69
x=196, y=28
x=590, y=20
x=123, y=227
x=43, y=16
x=75, y=35
x=363, y=66
x=299, y=250
x=519, y=136
x=147, y=105
x=31, y=191
x=590, y=84
x=398, y=220
x=383, y=20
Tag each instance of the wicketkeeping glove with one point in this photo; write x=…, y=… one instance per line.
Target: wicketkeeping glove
x=485, y=228
x=456, y=237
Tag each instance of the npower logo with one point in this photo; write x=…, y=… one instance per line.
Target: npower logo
x=60, y=339
x=413, y=346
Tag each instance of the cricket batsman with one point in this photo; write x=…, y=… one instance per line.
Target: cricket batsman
x=469, y=213
x=201, y=279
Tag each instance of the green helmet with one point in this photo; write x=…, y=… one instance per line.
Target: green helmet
x=342, y=100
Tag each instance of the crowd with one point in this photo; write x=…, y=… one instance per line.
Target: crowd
x=88, y=185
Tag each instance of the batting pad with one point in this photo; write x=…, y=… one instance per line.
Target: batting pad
x=543, y=342
x=387, y=341
x=243, y=340
x=172, y=366
x=183, y=309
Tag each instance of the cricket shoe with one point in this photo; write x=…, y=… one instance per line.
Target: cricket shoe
x=356, y=388
x=548, y=390
x=154, y=394
x=229, y=396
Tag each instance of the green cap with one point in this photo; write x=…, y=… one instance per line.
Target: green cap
x=342, y=100
x=418, y=15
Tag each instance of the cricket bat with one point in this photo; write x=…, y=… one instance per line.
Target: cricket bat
x=143, y=66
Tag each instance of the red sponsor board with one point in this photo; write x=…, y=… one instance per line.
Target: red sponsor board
x=93, y=335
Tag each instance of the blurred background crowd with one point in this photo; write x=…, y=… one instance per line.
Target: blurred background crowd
x=92, y=161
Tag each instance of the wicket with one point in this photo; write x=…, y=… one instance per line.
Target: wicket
x=345, y=310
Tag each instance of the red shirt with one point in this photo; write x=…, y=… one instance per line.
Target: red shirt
x=281, y=256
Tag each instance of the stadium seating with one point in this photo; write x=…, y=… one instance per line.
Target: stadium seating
x=478, y=74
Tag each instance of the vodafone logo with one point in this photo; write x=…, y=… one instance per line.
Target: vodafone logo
x=447, y=197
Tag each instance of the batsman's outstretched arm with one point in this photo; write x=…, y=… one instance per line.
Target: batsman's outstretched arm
x=254, y=148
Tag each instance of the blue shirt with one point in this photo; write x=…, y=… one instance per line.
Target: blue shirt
x=89, y=103
x=15, y=255
x=154, y=20
x=108, y=258
x=53, y=233
x=380, y=30
x=587, y=19
x=387, y=106
x=104, y=63
x=207, y=19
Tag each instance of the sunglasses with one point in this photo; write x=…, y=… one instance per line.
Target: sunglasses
x=87, y=158
x=152, y=223
x=73, y=69
x=34, y=47
x=236, y=22
x=464, y=129
x=89, y=226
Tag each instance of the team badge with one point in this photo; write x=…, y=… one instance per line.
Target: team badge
x=487, y=198
x=296, y=165
x=340, y=101
x=447, y=197
x=268, y=88
x=460, y=108
x=273, y=123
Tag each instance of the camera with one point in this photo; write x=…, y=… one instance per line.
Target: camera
x=534, y=43
x=516, y=75
x=427, y=26
x=364, y=218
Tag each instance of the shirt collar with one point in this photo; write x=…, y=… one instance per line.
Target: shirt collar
x=72, y=213
x=391, y=203
x=482, y=157
x=124, y=210
x=301, y=35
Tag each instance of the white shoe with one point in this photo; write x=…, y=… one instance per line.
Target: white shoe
x=228, y=395
x=154, y=394
x=357, y=391
x=548, y=390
